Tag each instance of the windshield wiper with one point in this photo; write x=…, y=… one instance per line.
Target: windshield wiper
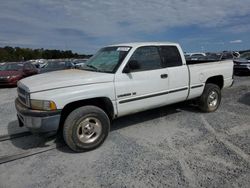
x=93, y=67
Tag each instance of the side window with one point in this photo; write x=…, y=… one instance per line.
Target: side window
x=147, y=57
x=30, y=66
x=170, y=56
x=26, y=66
x=33, y=66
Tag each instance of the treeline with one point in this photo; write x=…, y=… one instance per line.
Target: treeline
x=8, y=53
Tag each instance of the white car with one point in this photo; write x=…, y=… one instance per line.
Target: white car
x=196, y=56
x=79, y=63
x=118, y=80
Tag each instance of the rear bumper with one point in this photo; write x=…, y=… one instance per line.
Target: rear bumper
x=37, y=121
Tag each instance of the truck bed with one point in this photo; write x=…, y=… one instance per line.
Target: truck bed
x=191, y=62
x=200, y=72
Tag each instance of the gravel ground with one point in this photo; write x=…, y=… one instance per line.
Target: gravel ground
x=173, y=146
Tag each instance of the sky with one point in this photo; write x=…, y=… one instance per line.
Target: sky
x=84, y=26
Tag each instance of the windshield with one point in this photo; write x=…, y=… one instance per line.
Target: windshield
x=107, y=59
x=11, y=67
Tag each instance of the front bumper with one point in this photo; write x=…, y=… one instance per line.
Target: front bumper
x=37, y=121
x=8, y=82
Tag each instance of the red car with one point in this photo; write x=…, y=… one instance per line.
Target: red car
x=11, y=73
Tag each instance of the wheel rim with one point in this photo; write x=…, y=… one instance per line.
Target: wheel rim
x=213, y=99
x=89, y=130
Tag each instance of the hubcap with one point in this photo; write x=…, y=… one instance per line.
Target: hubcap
x=212, y=99
x=89, y=130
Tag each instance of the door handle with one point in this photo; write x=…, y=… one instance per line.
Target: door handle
x=164, y=76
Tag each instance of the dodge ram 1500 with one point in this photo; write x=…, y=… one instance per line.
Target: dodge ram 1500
x=118, y=80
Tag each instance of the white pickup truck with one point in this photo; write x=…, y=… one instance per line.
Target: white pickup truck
x=118, y=80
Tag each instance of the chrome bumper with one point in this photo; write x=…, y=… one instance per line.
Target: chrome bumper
x=37, y=121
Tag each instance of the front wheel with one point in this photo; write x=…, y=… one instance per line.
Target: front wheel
x=210, y=98
x=86, y=128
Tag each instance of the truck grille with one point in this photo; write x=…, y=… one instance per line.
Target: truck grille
x=23, y=96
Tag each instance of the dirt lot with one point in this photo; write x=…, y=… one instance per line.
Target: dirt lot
x=174, y=146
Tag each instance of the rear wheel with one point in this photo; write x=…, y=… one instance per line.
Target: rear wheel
x=210, y=98
x=86, y=128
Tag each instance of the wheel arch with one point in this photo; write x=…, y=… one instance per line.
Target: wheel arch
x=217, y=80
x=102, y=102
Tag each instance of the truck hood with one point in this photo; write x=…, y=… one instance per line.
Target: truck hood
x=63, y=78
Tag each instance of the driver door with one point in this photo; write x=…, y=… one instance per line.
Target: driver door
x=145, y=87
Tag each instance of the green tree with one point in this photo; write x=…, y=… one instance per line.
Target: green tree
x=8, y=53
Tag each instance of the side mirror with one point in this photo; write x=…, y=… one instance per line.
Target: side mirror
x=126, y=69
x=131, y=65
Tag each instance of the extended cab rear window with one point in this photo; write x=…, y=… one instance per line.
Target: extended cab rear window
x=170, y=56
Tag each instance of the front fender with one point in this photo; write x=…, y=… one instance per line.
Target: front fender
x=64, y=96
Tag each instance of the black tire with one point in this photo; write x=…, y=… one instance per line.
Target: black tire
x=204, y=101
x=72, y=129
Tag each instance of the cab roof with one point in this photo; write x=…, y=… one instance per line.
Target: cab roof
x=138, y=44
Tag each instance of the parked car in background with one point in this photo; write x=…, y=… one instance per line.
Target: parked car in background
x=11, y=73
x=242, y=64
x=38, y=63
x=209, y=57
x=194, y=56
x=226, y=55
x=78, y=63
x=186, y=56
x=56, y=65
x=212, y=57
x=236, y=54
x=198, y=58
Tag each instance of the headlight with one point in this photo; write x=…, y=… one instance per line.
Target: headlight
x=14, y=76
x=42, y=105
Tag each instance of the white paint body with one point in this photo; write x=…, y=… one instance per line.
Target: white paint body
x=67, y=86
